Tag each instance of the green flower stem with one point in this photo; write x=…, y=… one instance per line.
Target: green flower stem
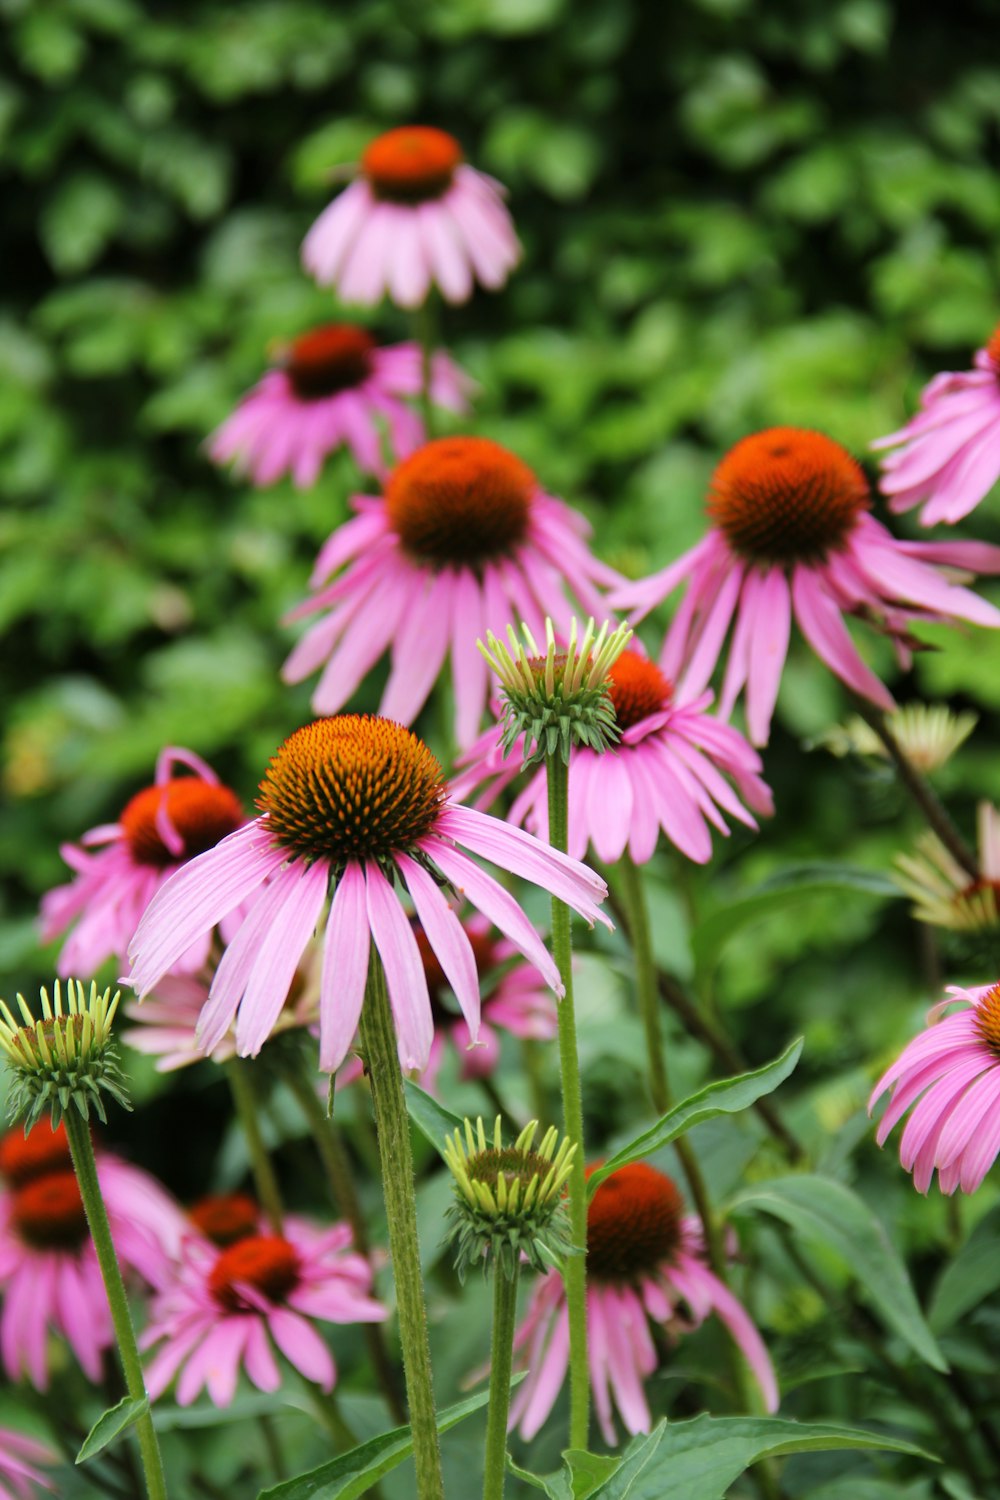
x=265, y=1181
x=379, y=1048
x=337, y=1165
x=501, y=1363
x=426, y=331
x=78, y=1132
x=575, y=1274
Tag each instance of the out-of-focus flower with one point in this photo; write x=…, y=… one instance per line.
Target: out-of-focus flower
x=792, y=534
x=226, y=1310
x=927, y=733
x=416, y=216
x=949, y=1076
x=19, y=1460
x=948, y=456
x=351, y=804
x=942, y=893
x=464, y=540
x=161, y=827
x=334, y=387
x=225, y=1218
x=644, y=1261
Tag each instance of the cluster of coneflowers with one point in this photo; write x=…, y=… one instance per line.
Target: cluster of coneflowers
x=350, y=928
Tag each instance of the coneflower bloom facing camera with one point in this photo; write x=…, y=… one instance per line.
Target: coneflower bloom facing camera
x=226, y=1310
x=348, y=806
x=19, y=1459
x=645, y=1263
x=334, y=387
x=947, y=457
x=416, y=216
x=464, y=539
x=792, y=535
x=49, y=1273
x=161, y=827
x=669, y=771
x=949, y=1076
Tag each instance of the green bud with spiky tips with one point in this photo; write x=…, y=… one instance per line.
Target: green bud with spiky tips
x=509, y=1200
x=66, y=1058
x=557, y=698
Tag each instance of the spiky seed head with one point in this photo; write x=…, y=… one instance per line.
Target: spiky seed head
x=66, y=1057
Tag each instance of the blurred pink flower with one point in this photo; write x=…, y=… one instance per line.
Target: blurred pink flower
x=334, y=387
x=948, y=456
x=416, y=216
x=49, y=1274
x=353, y=802
x=792, y=535
x=161, y=827
x=950, y=1076
x=225, y=1308
x=464, y=541
x=19, y=1460
x=643, y=1260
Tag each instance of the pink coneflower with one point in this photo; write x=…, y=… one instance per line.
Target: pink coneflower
x=334, y=387
x=948, y=456
x=416, y=216
x=226, y=1308
x=792, y=534
x=49, y=1274
x=225, y=1218
x=667, y=772
x=644, y=1259
x=463, y=541
x=351, y=804
x=950, y=1074
x=161, y=827
x=19, y=1460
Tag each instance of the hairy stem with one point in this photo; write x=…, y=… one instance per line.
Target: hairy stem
x=265, y=1181
x=501, y=1364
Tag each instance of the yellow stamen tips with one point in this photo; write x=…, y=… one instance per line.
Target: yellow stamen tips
x=927, y=733
x=66, y=1055
x=557, y=697
x=509, y=1199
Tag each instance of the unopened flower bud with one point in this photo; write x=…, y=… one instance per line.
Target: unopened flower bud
x=67, y=1057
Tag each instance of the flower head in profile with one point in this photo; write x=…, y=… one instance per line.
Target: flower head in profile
x=66, y=1058
x=947, y=457
x=161, y=827
x=333, y=387
x=50, y=1279
x=463, y=539
x=792, y=535
x=927, y=733
x=943, y=893
x=228, y=1309
x=352, y=808
x=416, y=216
x=645, y=1264
x=949, y=1079
x=670, y=772
x=20, y=1457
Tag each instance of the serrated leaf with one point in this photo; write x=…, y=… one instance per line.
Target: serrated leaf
x=972, y=1275
x=430, y=1117
x=824, y=1210
x=111, y=1424
x=726, y=1097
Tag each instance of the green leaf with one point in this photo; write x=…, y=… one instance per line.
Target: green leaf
x=824, y=1210
x=726, y=1097
x=354, y=1473
x=429, y=1116
x=972, y=1275
x=581, y=1475
x=111, y=1424
x=699, y=1460
x=794, y=884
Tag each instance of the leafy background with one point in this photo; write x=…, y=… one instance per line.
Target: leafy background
x=734, y=213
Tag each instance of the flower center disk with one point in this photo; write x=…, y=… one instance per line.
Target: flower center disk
x=988, y=1019
x=200, y=812
x=633, y=1223
x=25, y=1157
x=787, y=495
x=352, y=787
x=48, y=1213
x=637, y=688
x=333, y=358
x=993, y=349
x=412, y=164
x=460, y=501
x=265, y=1262
x=225, y=1218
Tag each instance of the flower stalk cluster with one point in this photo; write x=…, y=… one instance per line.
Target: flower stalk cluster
x=66, y=1057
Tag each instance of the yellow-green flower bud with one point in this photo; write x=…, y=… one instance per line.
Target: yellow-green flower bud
x=66, y=1057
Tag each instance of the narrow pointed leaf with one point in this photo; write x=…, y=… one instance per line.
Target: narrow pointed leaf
x=430, y=1117
x=972, y=1275
x=111, y=1424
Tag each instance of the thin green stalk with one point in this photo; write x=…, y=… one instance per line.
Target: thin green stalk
x=261, y=1166
x=78, y=1132
x=336, y=1162
x=575, y=1274
x=273, y=1445
x=501, y=1364
x=425, y=320
x=634, y=896
x=379, y=1046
